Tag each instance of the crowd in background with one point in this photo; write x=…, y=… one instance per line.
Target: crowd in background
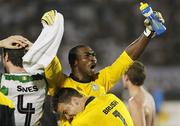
x=108, y=26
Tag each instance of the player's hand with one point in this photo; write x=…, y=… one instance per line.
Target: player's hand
x=49, y=17
x=15, y=42
x=147, y=22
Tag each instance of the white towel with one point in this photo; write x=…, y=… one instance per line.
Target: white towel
x=45, y=47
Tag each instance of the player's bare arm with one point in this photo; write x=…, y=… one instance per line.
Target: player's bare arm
x=135, y=49
x=136, y=110
x=15, y=42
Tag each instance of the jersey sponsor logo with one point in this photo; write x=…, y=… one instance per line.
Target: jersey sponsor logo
x=27, y=89
x=110, y=107
x=95, y=87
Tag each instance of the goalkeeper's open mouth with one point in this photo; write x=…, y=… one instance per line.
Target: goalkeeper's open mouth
x=92, y=67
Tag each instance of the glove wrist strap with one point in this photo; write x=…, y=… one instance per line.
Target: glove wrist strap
x=147, y=32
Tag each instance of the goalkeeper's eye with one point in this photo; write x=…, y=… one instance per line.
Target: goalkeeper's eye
x=91, y=54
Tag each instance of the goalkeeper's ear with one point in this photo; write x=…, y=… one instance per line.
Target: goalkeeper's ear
x=49, y=17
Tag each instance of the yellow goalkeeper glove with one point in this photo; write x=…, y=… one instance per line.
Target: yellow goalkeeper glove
x=49, y=17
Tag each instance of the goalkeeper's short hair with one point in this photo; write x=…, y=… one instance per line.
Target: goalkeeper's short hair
x=73, y=54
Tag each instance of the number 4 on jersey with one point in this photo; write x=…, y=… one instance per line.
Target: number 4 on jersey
x=28, y=111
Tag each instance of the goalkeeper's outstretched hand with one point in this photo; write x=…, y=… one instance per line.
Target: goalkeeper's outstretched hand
x=49, y=17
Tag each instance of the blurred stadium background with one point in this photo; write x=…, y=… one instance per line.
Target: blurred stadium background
x=108, y=26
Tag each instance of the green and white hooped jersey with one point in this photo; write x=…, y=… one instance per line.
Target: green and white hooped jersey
x=28, y=93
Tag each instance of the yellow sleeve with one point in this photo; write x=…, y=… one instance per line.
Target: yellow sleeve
x=54, y=75
x=109, y=76
x=5, y=101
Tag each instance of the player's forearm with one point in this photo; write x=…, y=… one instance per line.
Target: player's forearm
x=1, y=44
x=136, y=48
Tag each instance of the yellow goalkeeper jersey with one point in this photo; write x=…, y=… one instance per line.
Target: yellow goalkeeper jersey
x=106, y=110
x=106, y=79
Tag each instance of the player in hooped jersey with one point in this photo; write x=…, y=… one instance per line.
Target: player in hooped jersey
x=27, y=91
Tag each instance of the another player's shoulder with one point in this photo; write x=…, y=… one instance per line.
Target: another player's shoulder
x=150, y=97
x=106, y=98
x=111, y=96
x=135, y=102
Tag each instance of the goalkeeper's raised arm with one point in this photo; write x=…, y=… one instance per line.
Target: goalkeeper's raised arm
x=136, y=48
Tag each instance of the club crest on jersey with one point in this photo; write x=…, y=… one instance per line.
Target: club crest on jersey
x=95, y=87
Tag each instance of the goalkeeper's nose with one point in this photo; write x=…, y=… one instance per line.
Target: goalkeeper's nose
x=93, y=59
